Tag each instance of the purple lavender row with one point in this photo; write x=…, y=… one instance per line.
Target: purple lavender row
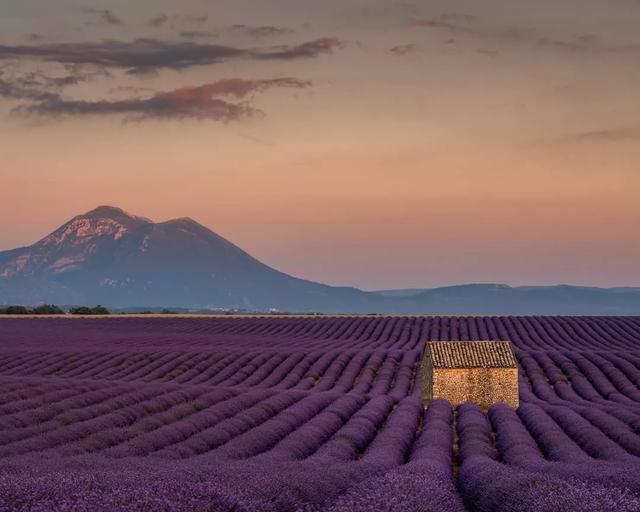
x=526, y=481
x=320, y=334
x=365, y=372
x=424, y=481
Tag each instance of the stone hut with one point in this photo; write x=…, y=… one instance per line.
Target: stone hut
x=484, y=372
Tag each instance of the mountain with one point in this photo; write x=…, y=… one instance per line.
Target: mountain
x=401, y=292
x=107, y=256
x=499, y=299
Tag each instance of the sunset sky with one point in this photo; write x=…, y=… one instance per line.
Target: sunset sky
x=366, y=143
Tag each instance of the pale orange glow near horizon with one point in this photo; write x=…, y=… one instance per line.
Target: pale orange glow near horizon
x=474, y=157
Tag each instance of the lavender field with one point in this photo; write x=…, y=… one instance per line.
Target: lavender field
x=312, y=414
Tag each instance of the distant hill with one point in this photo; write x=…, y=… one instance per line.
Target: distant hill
x=107, y=256
x=401, y=292
x=524, y=300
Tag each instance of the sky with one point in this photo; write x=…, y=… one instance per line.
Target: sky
x=369, y=143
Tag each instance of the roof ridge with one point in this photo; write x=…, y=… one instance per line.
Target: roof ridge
x=471, y=354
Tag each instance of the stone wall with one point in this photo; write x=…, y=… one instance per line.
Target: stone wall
x=484, y=386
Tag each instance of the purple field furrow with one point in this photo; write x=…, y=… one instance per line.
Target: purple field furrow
x=312, y=414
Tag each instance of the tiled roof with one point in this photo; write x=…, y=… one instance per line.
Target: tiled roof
x=471, y=354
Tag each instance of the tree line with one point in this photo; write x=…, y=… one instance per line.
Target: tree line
x=52, y=309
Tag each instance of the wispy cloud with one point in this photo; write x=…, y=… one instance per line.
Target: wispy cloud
x=20, y=88
x=471, y=26
x=103, y=16
x=148, y=55
x=456, y=17
x=613, y=134
x=204, y=102
x=309, y=49
x=261, y=30
x=35, y=84
x=403, y=49
x=442, y=22
x=488, y=53
x=197, y=19
x=198, y=34
x=130, y=89
x=176, y=20
x=159, y=20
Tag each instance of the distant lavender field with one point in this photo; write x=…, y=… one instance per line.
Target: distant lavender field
x=312, y=414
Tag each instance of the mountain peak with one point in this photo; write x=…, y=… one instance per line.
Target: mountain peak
x=185, y=222
x=182, y=220
x=82, y=231
x=112, y=212
x=106, y=210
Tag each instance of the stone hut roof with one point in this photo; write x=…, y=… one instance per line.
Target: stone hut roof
x=471, y=354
